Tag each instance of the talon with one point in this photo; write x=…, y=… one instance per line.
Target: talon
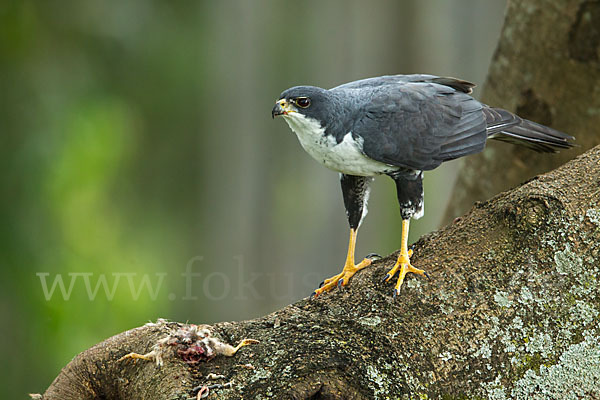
x=373, y=256
x=313, y=294
x=386, y=277
x=350, y=268
x=392, y=272
x=403, y=262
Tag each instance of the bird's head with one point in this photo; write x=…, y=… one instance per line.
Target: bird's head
x=304, y=101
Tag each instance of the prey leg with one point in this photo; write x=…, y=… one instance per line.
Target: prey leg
x=135, y=356
x=243, y=343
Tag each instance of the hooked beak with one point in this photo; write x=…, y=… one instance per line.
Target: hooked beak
x=282, y=107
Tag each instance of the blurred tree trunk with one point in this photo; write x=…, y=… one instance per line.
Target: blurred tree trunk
x=512, y=310
x=513, y=306
x=546, y=68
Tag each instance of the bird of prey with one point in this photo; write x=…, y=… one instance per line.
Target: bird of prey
x=399, y=126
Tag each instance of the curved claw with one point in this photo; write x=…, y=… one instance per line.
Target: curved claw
x=373, y=256
x=386, y=277
x=313, y=294
x=396, y=293
x=427, y=275
x=340, y=283
x=321, y=284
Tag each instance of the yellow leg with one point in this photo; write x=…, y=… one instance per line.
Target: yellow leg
x=349, y=270
x=403, y=262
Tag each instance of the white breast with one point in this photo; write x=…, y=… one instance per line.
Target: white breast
x=345, y=157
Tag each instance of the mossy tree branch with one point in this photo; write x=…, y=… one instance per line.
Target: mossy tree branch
x=512, y=308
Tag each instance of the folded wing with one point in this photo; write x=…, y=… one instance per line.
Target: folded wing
x=419, y=125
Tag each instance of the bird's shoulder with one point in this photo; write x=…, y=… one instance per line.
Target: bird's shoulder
x=406, y=103
x=417, y=124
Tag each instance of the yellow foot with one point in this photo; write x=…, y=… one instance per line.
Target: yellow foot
x=342, y=278
x=403, y=265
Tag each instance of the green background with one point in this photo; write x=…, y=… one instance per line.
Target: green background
x=136, y=143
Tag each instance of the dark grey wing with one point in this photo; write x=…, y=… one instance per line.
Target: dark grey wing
x=457, y=84
x=420, y=125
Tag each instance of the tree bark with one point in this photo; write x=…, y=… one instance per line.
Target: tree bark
x=546, y=68
x=511, y=311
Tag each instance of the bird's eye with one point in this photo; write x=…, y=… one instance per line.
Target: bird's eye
x=303, y=102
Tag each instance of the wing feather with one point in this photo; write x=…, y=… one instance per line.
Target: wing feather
x=419, y=125
x=456, y=84
x=508, y=127
x=420, y=121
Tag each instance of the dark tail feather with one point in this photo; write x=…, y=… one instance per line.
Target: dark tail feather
x=508, y=127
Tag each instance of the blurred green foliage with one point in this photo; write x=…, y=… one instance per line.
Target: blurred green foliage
x=136, y=142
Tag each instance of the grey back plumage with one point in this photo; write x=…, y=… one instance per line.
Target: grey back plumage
x=419, y=121
x=458, y=84
x=415, y=122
